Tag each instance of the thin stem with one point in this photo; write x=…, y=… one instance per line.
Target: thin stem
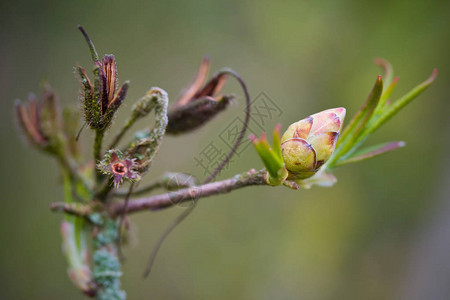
x=79, y=131
x=122, y=132
x=99, y=134
x=244, y=126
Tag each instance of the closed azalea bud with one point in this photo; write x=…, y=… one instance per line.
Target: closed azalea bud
x=308, y=144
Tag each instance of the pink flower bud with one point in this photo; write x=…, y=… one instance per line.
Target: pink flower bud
x=308, y=144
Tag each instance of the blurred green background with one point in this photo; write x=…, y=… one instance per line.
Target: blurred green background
x=380, y=233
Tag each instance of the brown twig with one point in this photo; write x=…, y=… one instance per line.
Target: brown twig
x=162, y=201
x=169, y=199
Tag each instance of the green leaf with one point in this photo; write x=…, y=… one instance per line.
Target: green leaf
x=364, y=112
x=268, y=157
x=357, y=125
x=387, y=69
x=370, y=152
x=384, y=97
x=376, y=122
x=400, y=103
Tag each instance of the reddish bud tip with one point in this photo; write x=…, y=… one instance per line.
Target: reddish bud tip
x=278, y=127
x=263, y=137
x=433, y=75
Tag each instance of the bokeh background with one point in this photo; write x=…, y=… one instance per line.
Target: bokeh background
x=383, y=232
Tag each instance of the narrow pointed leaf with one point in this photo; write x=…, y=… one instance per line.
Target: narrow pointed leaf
x=357, y=125
x=400, y=103
x=365, y=111
x=384, y=97
x=387, y=69
x=391, y=111
x=90, y=44
x=372, y=151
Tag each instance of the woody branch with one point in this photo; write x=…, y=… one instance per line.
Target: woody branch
x=166, y=200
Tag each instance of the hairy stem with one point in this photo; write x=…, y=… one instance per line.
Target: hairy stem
x=156, y=99
x=99, y=134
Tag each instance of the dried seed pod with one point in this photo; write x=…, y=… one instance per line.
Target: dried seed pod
x=199, y=103
x=100, y=99
x=40, y=121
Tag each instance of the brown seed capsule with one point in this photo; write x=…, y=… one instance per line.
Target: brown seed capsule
x=198, y=103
